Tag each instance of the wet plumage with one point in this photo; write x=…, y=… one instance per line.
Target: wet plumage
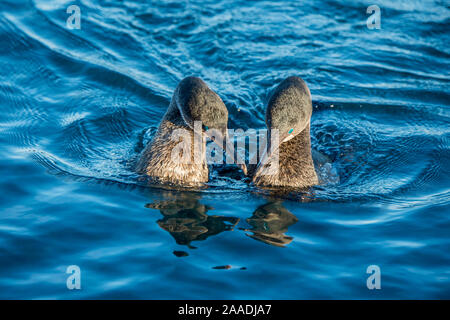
x=192, y=101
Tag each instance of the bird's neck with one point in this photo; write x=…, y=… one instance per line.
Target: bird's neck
x=173, y=117
x=295, y=165
x=301, y=142
x=297, y=147
x=174, y=129
x=175, y=152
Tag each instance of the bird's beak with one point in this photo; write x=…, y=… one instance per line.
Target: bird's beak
x=220, y=138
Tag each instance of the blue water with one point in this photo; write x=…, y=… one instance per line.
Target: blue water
x=78, y=105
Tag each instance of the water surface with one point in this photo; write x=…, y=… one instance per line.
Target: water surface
x=78, y=105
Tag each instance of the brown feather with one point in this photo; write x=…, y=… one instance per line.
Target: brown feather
x=156, y=159
x=296, y=167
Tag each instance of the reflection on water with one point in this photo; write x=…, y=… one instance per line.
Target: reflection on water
x=270, y=222
x=186, y=219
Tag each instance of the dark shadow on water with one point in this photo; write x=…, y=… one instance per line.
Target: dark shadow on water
x=186, y=219
x=270, y=222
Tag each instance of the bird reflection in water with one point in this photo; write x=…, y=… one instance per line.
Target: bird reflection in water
x=270, y=222
x=186, y=219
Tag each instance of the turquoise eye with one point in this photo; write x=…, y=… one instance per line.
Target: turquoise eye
x=290, y=131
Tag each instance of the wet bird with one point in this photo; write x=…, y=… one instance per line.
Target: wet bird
x=176, y=154
x=288, y=163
